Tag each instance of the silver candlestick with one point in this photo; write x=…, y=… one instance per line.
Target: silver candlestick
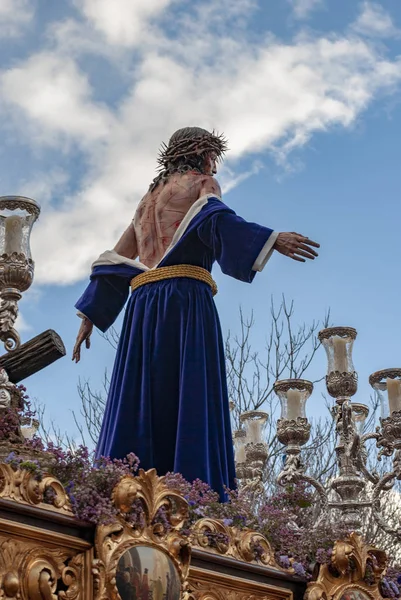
x=293, y=431
x=251, y=453
x=17, y=216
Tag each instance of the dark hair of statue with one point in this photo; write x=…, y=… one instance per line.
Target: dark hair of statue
x=187, y=150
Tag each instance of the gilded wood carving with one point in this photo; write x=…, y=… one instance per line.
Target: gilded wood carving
x=206, y=585
x=248, y=546
x=32, y=571
x=22, y=487
x=36, y=563
x=164, y=513
x=344, y=578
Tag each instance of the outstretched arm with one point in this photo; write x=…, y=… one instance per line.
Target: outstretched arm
x=291, y=244
x=296, y=246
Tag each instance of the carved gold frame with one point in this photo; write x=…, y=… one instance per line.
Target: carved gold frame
x=349, y=561
x=208, y=585
x=114, y=539
x=36, y=562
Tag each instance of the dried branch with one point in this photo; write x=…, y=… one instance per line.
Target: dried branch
x=288, y=353
x=92, y=406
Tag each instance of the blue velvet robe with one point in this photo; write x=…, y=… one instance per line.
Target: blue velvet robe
x=168, y=399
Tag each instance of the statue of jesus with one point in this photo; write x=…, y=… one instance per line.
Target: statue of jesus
x=168, y=399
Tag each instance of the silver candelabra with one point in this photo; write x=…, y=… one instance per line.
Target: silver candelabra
x=354, y=486
x=347, y=491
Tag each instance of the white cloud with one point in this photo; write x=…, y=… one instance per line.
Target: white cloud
x=122, y=22
x=15, y=15
x=229, y=179
x=74, y=38
x=373, y=20
x=54, y=96
x=303, y=8
x=269, y=97
x=44, y=186
x=21, y=324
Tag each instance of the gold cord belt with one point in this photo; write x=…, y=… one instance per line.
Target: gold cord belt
x=162, y=273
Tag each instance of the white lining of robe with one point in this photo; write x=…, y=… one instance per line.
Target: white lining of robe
x=265, y=253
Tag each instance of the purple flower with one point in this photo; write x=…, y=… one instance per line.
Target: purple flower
x=395, y=589
x=161, y=518
x=216, y=539
x=299, y=569
x=322, y=556
x=284, y=561
x=49, y=496
x=258, y=550
x=386, y=590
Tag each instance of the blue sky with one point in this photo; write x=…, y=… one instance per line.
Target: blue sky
x=307, y=92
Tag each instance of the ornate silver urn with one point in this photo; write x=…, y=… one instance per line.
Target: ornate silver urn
x=17, y=216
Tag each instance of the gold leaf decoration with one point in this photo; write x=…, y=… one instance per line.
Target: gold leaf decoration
x=244, y=545
x=22, y=487
x=350, y=558
x=114, y=539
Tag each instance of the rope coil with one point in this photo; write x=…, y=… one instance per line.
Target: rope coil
x=190, y=271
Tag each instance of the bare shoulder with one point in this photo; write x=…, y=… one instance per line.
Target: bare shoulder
x=196, y=184
x=209, y=185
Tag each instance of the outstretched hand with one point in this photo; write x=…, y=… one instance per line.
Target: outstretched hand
x=84, y=335
x=296, y=246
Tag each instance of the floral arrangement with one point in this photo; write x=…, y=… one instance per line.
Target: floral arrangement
x=286, y=518
x=10, y=418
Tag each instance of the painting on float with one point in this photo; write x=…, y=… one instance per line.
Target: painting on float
x=145, y=573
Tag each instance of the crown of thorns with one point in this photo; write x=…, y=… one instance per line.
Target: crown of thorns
x=190, y=145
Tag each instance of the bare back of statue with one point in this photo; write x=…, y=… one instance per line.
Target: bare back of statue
x=160, y=213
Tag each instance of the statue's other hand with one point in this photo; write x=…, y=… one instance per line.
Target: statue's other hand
x=296, y=246
x=84, y=335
